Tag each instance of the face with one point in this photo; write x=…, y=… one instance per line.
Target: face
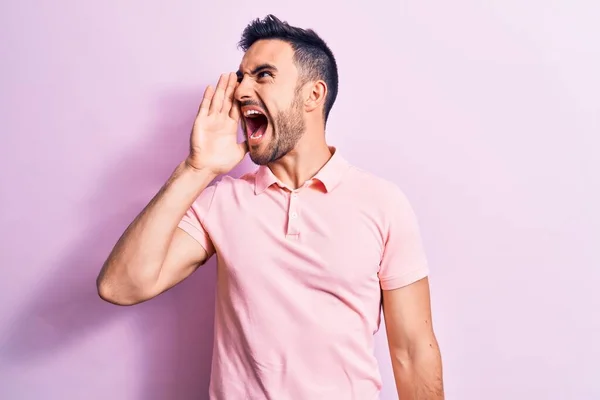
x=270, y=100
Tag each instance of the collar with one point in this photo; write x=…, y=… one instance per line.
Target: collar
x=330, y=175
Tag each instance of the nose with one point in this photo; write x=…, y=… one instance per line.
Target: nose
x=244, y=89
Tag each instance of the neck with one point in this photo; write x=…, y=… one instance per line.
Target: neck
x=304, y=161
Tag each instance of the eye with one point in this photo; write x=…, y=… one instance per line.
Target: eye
x=264, y=74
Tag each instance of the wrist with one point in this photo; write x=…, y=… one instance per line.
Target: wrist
x=201, y=175
x=190, y=168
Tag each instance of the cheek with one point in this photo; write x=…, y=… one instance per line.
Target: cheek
x=278, y=99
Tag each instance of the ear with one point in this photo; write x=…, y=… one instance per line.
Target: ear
x=315, y=98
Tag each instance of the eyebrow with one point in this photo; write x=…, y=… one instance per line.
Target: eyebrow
x=256, y=70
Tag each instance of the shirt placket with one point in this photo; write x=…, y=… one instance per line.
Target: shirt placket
x=293, y=225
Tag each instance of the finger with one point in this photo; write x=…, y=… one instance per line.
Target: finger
x=206, y=99
x=235, y=112
x=229, y=93
x=217, y=100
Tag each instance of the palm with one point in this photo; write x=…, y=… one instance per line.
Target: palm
x=214, y=143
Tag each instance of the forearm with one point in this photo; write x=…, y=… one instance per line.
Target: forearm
x=418, y=372
x=135, y=262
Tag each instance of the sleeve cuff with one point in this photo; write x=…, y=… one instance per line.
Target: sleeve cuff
x=200, y=236
x=396, y=282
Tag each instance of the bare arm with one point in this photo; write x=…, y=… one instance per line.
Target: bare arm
x=153, y=254
x=414, y=350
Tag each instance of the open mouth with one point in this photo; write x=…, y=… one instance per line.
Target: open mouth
x=256, y=124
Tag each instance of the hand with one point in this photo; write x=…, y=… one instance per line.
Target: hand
x=213, y=143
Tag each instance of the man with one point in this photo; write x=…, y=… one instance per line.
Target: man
x=309, y=247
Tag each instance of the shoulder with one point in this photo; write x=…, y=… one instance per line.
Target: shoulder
x=227, y=183
x=380, y=190
x=382, y=198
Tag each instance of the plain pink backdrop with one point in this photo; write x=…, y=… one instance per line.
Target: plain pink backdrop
x=485, y=113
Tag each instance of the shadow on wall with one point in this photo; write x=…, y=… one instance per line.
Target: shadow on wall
x=176, y=328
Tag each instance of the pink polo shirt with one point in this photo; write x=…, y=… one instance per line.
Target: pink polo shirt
x=299, y=278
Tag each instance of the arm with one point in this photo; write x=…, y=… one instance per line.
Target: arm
x=416, y=359
x=153, y=254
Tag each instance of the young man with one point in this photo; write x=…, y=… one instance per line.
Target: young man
x=309, y=247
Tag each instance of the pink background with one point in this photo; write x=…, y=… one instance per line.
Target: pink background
x=487, y=116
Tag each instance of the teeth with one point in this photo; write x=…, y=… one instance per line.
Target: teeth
x=252, y=112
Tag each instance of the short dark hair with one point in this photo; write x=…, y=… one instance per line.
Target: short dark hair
x=312, y=55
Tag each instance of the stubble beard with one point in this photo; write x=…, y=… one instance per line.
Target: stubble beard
x=286, y=130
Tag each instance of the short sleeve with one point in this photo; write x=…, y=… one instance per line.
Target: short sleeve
x=404, y=260
x=194, y=220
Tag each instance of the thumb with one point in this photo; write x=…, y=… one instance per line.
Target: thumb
x=235, y=112
x=243, y=146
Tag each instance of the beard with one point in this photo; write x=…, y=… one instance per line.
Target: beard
x=287, y=127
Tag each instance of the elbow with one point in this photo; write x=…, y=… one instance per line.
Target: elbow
x=402, y=358
x=118, y=299
x=111, y=293
x=106, y=293
x=422, y=352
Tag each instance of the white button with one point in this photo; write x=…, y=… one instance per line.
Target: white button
x=294, y=215
x=294, y=195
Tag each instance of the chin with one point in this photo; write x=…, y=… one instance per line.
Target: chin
x=258, y=157
x=261, y=152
